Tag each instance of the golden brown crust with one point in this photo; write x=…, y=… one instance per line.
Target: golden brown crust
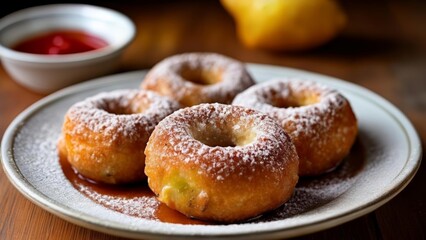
x=319, y=120
x=195, y=78
x=221, y=163
x=104, y=137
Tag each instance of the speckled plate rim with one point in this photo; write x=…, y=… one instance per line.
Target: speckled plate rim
x=274, y=229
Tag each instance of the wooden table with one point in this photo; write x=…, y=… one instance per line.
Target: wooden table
x=383, y=49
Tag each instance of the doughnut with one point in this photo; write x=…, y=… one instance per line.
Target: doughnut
x=319, y=120
x=104, y=136
x=194, y=78
x=221, y=163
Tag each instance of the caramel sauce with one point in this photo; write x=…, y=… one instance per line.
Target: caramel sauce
x=104, y=194
x=139, y=201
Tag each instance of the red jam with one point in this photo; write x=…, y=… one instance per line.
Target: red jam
x=61, y=42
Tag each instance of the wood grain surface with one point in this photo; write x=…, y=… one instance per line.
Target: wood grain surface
x=383, y=49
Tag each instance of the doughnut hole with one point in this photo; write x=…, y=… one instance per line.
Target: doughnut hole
x=292, y=99
x=227, y=135
x=117, y=109
x=200, y=76
x=136, y=105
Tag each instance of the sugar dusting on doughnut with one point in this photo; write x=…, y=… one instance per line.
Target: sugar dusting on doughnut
x=319, y=119
x=97, y=113
x=221, y=162
x=261, y=96
x=195, y=78
x=104, y=136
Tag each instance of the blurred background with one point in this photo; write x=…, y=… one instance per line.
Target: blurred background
x=381, y=47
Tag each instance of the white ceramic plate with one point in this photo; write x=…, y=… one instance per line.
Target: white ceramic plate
x=392, y=157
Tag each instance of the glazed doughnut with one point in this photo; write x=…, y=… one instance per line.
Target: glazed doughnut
x=194, y=78
x=104, y=136
x=319, y=120
x=220, y=162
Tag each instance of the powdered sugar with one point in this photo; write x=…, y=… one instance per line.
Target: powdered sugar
x=319, y=120
x=198, y=132
x=309, y=194
x=119, y=114
x=38, y=169
x=141, y=206
x=263, y=97
x=166, y=78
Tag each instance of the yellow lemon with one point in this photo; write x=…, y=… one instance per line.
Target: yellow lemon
x=286, y=24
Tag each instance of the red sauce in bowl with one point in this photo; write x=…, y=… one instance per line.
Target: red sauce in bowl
x=61, y=42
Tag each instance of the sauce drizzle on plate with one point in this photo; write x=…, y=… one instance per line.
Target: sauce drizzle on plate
x=138, y=200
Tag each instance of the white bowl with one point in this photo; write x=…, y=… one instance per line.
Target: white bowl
x=46, y=73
